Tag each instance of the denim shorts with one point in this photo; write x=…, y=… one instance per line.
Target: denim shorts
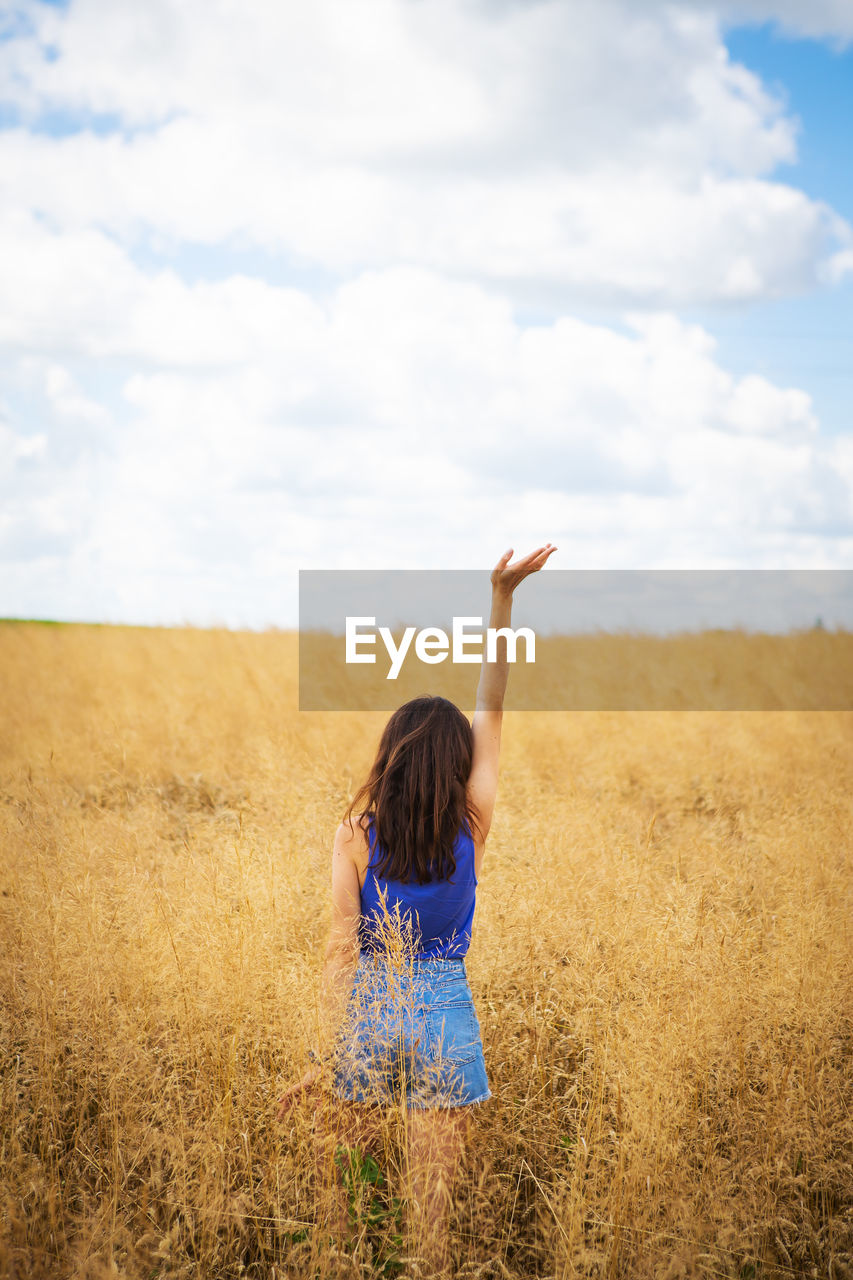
x=410, y=1035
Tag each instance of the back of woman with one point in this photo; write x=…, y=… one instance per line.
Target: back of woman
x=419, y=819
x=400, y=1024
x=435, y=918
x=411, y=1033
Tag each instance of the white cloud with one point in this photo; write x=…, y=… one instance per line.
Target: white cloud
x=415, y=413
x=838, y=266
x=831, y=19
x=394, y=80
x=175, y=450
x=69, y=402
x=593, y=152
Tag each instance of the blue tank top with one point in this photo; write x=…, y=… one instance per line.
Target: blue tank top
x=440, y=913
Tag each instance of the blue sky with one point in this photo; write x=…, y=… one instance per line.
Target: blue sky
x=816, y=80
x=378, y=284
x=807, y=340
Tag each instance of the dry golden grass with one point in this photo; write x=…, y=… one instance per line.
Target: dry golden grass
x=661, y=965
x=810, y=670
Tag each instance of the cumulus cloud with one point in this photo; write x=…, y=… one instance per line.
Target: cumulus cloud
x=818, y=19
x=596, y=152
x=404, y=415
x=832, y=19
x=174, y=448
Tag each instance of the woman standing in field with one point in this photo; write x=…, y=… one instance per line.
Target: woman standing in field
x=400, y=1025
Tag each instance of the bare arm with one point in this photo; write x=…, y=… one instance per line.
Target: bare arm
x=494, y=675
x=341, y=954
x=488, y=716
x=342, y=948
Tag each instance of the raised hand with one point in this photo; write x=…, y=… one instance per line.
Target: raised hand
x=506, y=576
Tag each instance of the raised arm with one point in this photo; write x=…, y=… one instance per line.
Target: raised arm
x=488, y=716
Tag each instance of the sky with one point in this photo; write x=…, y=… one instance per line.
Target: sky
x=398, y=284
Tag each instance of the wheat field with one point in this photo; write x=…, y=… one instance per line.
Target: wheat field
x=662, y=964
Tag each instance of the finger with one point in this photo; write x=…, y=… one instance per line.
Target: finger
x=533, y=562
x=543, y=553
x=527, y=563
x=533, y=555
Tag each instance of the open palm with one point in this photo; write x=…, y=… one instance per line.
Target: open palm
x=506, y=576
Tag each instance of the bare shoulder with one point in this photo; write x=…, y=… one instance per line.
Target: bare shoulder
x=351, y=836
x=351, y=842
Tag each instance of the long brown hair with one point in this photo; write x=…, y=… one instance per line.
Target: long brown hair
x=416, y=791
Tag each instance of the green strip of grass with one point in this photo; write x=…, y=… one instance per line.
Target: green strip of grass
x=41, y=622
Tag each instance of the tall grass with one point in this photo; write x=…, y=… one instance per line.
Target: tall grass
x=661, y=966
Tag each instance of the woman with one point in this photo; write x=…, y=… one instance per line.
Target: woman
x=399, y=1021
